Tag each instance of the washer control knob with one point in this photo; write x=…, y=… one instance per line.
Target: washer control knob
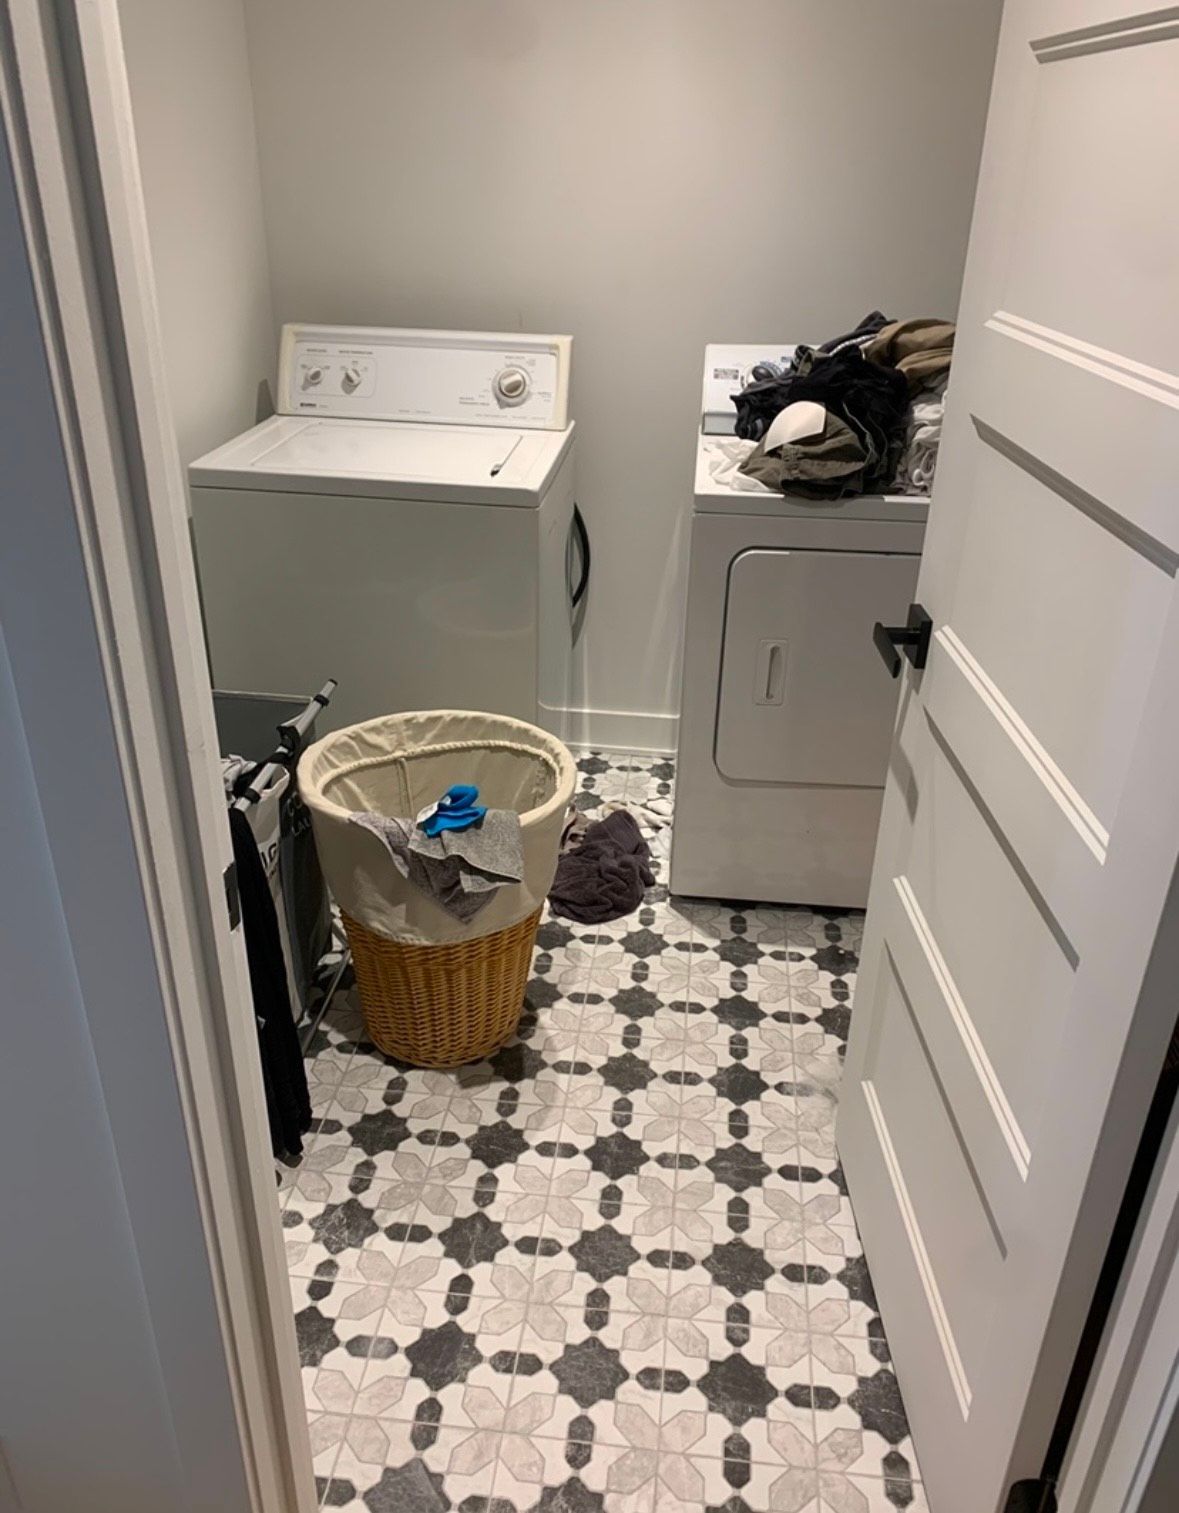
x=511, y=385
x=350, y=379
x=312, y=377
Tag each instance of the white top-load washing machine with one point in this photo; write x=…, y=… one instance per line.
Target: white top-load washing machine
x=787, y=709
x=404, y=525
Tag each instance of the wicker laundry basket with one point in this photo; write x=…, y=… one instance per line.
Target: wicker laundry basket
x=435, y=992
x=442, y=1006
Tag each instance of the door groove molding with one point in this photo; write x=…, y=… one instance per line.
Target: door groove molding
x=1153, y=383
x=1046, y=912
x=984, y=1070
x=947, y=1103
x=1133, y=536
x=1055, y=783
x=1126, y=31
x=921, y=1259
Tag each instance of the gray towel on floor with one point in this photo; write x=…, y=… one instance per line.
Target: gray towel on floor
x=462, y=869
x=605, y=877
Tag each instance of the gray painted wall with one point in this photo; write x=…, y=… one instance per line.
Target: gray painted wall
x=648, y=176
x=194, y=116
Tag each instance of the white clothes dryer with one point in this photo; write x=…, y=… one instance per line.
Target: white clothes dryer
x=405, y=524
x=787, y=711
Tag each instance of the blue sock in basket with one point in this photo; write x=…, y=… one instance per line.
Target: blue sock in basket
x=455, y=810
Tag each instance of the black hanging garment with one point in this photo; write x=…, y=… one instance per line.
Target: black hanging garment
x=288, y=1102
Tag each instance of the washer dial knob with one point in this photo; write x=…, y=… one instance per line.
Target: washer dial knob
x=350, y=379
x=312, y=377
x=511, y=386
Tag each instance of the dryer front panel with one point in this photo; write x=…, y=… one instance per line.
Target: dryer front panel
x=803, y=696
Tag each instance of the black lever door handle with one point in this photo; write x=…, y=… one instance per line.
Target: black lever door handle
x=882, y=639
x=912, y=638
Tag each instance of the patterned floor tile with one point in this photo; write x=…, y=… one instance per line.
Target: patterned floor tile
x=326, y=1433
x=738, y=1485
x=875, y=1495
x=337, y=1326
x=864, y=1403
x=612, y=1248
x=596, y=1383
x=340, y=1235
x=515, y=1075
x=612, y=1268
x=464, y=1247
x=388, y=1467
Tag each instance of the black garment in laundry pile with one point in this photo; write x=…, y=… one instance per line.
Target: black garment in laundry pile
x=872, y=400
x=867, y=330
x=288, y=1103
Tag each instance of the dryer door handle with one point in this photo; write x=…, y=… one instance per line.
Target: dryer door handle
x=769, y=676
x=912, y=638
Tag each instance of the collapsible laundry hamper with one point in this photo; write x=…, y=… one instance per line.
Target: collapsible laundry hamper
x=434, y=991
x=248, y=727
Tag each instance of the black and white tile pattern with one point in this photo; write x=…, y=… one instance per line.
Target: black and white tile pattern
x=613, y=1269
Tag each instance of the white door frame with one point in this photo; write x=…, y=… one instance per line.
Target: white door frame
x=67, y=118
x=1132, y=1405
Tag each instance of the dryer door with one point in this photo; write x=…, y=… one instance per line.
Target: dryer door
x=802, y=699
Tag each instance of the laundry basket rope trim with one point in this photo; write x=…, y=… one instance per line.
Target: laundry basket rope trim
x=392, y=765
x=437, y=748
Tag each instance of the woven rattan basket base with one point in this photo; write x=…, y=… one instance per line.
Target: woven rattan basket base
x=442, y=1005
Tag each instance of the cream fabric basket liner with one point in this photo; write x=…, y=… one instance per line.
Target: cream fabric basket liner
x=398, y=764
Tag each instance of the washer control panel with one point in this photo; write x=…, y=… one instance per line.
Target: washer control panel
x=323, y=373
x=448, y=377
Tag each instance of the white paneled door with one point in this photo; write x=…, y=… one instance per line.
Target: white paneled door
x=1014, y=998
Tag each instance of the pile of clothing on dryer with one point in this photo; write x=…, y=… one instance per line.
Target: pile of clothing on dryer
x=859, y=413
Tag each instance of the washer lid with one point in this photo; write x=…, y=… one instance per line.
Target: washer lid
x=343, y=447
x=387, y=460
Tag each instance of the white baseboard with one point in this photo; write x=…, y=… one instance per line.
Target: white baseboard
x=622, y=730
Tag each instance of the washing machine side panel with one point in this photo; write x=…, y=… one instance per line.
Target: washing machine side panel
x=554, y=523
x=409, y=604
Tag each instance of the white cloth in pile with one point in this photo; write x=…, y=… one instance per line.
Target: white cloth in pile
x=724, y=463
x=919, y=462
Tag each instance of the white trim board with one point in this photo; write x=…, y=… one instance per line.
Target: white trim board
x=1133, y=1398
x=630, y=732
